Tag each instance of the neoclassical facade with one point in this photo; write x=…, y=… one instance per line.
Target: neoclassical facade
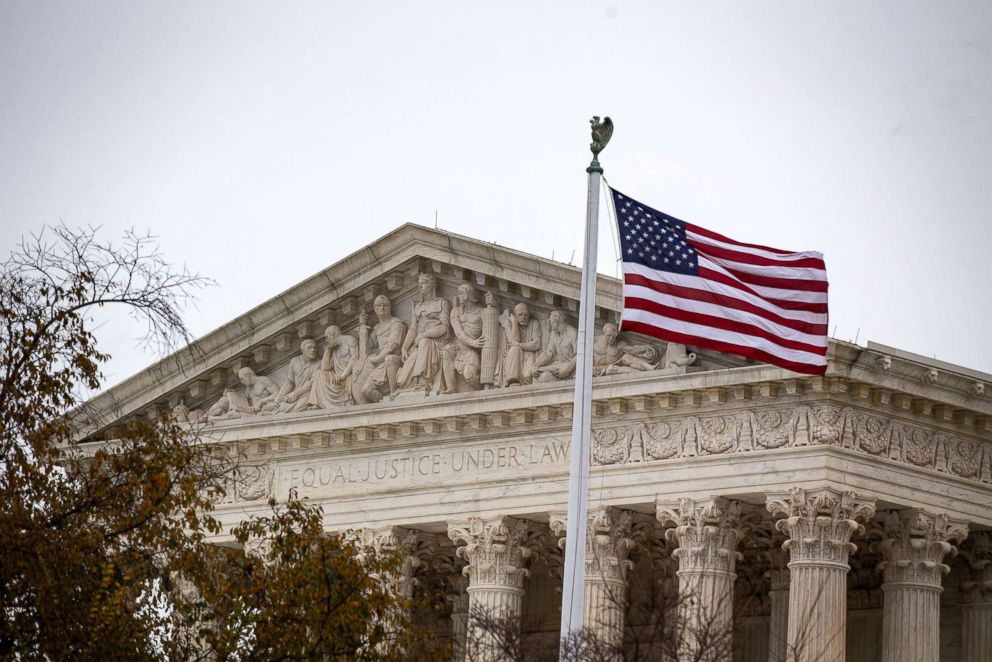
x=421, y=391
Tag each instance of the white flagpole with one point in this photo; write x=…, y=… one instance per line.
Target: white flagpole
x=573, y=585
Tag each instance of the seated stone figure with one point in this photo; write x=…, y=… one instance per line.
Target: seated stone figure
x=557, y=361
x=430, y=327
x=331, y=382
x=384, y=343
x=294, y=393
x=611, y=355
x=522, y=339
x=258, y=391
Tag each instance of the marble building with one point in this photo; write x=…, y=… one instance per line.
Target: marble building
x=421, y=390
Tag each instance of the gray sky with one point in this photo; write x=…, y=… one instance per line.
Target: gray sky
x=264, y=141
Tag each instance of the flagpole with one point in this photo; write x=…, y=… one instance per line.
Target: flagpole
x=573, y=585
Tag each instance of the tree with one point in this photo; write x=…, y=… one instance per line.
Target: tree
x=106, y=549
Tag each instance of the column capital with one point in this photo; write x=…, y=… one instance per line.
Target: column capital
x=608, y=541
x=707, y=531
x=494, y=549
x=820, y=522
x=387, y=540
x=914, y=544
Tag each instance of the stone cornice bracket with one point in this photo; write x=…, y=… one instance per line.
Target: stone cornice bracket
x=914, y=545
x=820, y=523
x=707, y=532
x=494, y=550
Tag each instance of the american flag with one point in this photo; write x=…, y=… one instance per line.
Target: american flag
x=686, y=284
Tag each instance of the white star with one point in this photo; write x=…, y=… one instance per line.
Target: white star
x=630, y=251
x=671, y=253
x=653, y=242
x=627, y=237
x=678, y=261
x=641, y=254
x=691, y=264
x=666, y=259
x=627, y=205
x=626, y=224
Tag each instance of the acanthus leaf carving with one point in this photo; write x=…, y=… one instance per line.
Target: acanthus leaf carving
x=830, y=425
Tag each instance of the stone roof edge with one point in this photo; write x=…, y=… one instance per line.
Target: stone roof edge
x=408, y=241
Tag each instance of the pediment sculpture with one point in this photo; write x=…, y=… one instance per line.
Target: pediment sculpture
x=468, y=343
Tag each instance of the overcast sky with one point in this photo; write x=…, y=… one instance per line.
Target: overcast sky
x=262, y=142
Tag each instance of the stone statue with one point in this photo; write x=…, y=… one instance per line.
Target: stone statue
x=331, y=382
x=611, y=355
x=676, y=356
x=430, y=326
x=522, y=340
x=294, y=393
x=463, y=357
x=257, y=393
x=557, y=361
x=183, y=414
x=384, y=344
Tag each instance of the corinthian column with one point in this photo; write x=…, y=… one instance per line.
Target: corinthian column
x=495, y=553
x=976, y=599
x=605, y=598
x=707, y=532
x=913, y=549
x=819, y=524
x=778, y=596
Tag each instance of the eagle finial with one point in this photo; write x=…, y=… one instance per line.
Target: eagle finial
x=601, y=132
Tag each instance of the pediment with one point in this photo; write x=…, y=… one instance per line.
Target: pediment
x=267, y=340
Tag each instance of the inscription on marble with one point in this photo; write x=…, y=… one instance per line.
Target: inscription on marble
x=386, y=470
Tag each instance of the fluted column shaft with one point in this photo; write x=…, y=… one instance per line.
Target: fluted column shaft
x=914, y=547
x=495, y=552
x=707, y=532
x=819, y=524
x=605, y=590
x=458, y=598
x=778, y=596
x=976, y=599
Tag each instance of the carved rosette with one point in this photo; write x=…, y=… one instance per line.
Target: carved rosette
x=915, y=544
x=494, y=550
x=820, y=523
x=707, y=532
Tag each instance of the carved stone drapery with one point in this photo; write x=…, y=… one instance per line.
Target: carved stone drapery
x=707, y=532
x=976, y=599
x=608, y=543
x=495, y=552
x=819, y=524
x=913, y=548
x=801, y=426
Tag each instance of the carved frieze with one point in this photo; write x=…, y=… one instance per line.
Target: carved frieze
x=827, y=424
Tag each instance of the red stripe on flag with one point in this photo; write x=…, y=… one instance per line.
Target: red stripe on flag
x=808, y=306
x=751, y=258
x=727, y=240
x=716, y=345
x=723, y=323
x=707, y=296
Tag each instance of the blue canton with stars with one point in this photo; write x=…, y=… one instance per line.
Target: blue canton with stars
x=652, y=238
